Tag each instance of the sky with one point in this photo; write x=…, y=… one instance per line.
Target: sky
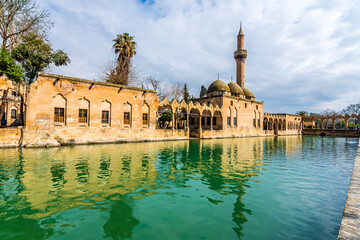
x=302, y=55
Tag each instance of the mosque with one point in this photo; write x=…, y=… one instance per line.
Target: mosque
x=57, y=110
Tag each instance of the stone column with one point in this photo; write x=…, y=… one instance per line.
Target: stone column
x=211, y=122
x=346, y=124
x=188, y=121
x=200, y=127
x=173, y=120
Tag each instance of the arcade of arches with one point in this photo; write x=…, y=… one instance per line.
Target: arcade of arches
x=281, y=124
x=334, y=122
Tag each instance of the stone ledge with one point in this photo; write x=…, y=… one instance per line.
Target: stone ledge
x=350, y=223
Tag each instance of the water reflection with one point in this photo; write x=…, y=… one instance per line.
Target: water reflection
x=125, y=188
x=121, y=222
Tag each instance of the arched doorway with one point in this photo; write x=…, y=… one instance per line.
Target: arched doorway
x=353, y=123
x=206, y=120
x=217, y=121
x=194, y=125
x=276, y=125
x=339, y=124
x=271, y=124
x=265, y=124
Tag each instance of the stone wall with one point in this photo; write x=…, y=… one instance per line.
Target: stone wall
x=238, y=132
x=50, y=91
x=10, y=137
x=329, y=132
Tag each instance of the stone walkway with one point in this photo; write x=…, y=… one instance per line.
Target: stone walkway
x=350, y=224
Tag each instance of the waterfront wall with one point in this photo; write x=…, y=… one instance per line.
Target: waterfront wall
x=329, y=132
x=231, y=132
x=71, y=136
x=350, y=223
x=14, y=137
x=283, y=132
x=10, y=137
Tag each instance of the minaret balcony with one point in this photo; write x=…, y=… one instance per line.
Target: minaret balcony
x=240, y=54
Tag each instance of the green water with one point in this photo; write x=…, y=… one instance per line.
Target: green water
x=247, y=188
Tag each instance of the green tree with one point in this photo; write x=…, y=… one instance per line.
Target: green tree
x=9, y=67
x=203, y=91
x=317, y=123
x=340, y=124
x=124, y=46
x=352, y=125
x=186, y=94
x=35, y=54
x=302, y=113
x=166, y=116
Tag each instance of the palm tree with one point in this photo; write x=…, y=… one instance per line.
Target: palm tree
x=124, y=46
x=303, y=114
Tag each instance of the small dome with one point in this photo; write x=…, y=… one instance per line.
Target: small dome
x=248, y=93
x=235, y=88
x=218, y=86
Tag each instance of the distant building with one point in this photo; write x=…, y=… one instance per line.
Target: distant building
x=59, y=110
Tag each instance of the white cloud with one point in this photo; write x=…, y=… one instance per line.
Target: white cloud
x=301, y=54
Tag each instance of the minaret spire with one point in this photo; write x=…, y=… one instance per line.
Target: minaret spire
x=240, y=55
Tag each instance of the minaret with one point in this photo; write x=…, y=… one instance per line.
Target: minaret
x=240, y=55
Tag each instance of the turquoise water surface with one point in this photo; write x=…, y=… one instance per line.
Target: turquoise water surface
x=245, y=188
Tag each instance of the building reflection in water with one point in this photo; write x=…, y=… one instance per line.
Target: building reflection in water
x=38, y=184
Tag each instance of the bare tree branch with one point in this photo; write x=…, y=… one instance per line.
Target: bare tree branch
x=18, y=17
x=174, y=91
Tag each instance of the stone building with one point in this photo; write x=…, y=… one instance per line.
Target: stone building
x=11, y=103
x=57, y=110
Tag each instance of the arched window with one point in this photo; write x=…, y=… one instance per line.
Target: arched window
x=84, y=111
x=127, y=114
x=13, y=113
x=106, y=113
x=254, y=120
x=235, y=118
x=145, y=115
x=229, y=117
x=59, y=104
